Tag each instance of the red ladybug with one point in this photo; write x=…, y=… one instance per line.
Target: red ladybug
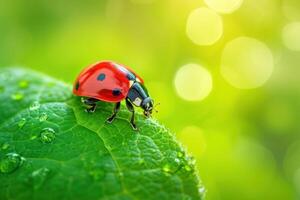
x=111, y=82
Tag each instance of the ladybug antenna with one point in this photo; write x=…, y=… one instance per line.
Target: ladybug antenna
x=154, y=108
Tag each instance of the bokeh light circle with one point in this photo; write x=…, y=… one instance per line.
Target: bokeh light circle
x=224, y=6
x=193, y=82
x=246, y=63
x=193, y=138
x=291, y=36
x=204, y=26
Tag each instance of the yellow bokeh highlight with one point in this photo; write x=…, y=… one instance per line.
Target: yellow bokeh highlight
x=291, y=36
x=224, y=6
x=193, y=82
x=246, y=63
x=204, y=26
x=193, y=139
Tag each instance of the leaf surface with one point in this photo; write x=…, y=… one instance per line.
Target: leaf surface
x=50, y=148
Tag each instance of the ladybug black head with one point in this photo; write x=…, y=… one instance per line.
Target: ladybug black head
x=139, y=96
x=147, y=105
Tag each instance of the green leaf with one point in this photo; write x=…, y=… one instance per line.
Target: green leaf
x=50, y=148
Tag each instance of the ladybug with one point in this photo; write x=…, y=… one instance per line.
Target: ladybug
x=112, y=82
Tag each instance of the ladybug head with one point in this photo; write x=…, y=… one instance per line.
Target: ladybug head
x=139, y=96
x=147, y=105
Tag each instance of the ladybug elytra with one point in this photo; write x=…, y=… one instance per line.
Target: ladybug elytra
x=111, y=82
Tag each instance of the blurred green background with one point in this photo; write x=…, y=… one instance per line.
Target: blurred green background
x=226, y=73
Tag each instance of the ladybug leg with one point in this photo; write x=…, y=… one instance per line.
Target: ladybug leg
x=115, y=112
x=91, y=104
x=131, y=109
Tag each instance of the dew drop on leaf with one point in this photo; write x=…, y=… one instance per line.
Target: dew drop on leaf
x=22, y=122
x=43, y=117
x=141, y=161
x=33, y=137
x=10, y=162
x=180, y=154
x=166, y=168
x=188, y=168
x=23, y=84
x=47, y=135
x=5, y=146
x=35, y=105
x=17, y=96
x=201, y=190
x=189, y=164
x=172, y=166
x=38, y=177
x=191, y=160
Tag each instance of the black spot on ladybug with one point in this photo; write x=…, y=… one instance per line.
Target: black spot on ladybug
x=116, y=92
x=101, y=77
x=77, y=86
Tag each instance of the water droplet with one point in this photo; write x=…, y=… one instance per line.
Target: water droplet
x=180, y=154
x=22, y=122
x=1, y=89
x=97, y=174
x=141, y=161
x=17, y=96
x=201, y=190
x=43, y=117
x=191, y=160
x=47, y=135
x=166, y=168
x=172, y=165
x=33, y=137
x=23, y=84
x=10, y=163
x=5, y=146
x=38, y=177
x=188, y=168
x=35, y=105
